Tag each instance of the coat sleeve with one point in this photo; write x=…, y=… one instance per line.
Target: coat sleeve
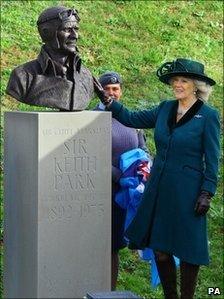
x=211, y=152
x=136, y=119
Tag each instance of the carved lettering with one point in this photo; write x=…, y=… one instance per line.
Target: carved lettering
x=72, y=131
x=73, y=191
x=89, y=182
x=66, y=147
x=72, y=197
x=47, y=132
x=57, y=181
x=73, y=182
x=82, y=146
x=68, y=164
x=71, y=164
x=57, y=166
x=91, y=163
x=66, y=212
x=79, y=164
x=75, y=147
x=60, y=212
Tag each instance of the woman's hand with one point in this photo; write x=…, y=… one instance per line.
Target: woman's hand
x=203, y=203
x=102, y=95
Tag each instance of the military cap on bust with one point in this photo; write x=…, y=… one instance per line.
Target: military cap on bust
x=51, y=19
x=110, y=78
x=60, y=13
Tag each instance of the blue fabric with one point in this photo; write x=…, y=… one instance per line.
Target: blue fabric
x=132, y=188
x=130, y=194
x=148, y=255
x=131, y=184
x=128, y=158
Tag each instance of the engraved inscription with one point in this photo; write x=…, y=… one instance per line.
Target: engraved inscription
x=74, y=183
x=73, y=197
x=60, y=212
x=72, y=131
x=74, y=164
x=66, y=212
x=75, y=146
x=74, y=170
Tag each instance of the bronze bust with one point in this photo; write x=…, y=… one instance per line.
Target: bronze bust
x=57, y=78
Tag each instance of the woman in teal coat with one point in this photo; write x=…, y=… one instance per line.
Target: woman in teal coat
x=172, y=216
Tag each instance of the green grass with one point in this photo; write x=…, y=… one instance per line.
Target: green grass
x=133, y=38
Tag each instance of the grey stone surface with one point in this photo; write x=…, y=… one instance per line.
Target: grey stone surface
x=113, y=295
x=57, y=204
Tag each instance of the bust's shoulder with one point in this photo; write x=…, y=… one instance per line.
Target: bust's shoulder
x=85, y=71
x=32, y=67
x=87, y=79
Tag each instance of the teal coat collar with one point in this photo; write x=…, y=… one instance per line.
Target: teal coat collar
x=172, y=124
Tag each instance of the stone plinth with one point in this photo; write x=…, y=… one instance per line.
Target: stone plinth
x=57, y=204
x=113, y=295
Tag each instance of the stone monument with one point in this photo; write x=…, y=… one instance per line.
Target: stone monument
x=57, y=204
x=57, y=173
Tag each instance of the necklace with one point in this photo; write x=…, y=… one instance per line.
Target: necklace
x=181, y=111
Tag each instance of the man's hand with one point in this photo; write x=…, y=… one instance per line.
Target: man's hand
x=105, y=99
x=203, y=203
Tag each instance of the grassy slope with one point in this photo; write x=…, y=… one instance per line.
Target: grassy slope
x=133, y=38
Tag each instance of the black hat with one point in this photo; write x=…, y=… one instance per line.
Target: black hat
x=58, y=13
x=110, y=78
x=183, y=67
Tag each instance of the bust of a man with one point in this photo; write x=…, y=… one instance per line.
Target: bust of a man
x=57, y=78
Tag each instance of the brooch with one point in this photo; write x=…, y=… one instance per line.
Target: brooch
x=198, y=115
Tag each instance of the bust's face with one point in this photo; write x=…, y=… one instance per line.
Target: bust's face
x=67, y=35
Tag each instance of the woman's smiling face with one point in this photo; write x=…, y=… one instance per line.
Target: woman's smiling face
x=183, y=88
